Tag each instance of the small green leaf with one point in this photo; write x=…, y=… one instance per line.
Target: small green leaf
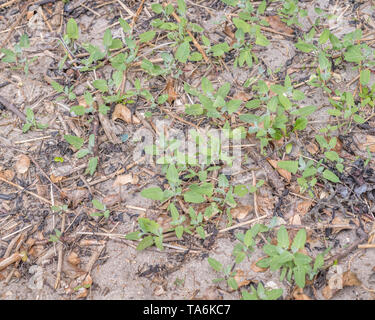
x=299, y=276
x=107, y=38
x=232, y=283
x=72, y=29
x=101, y=85
x=216, y=265
x=75, y=141
x=183, y=52
x=98, y=205
x=179, y=231
x=283, y=238
x=147, y=36
x=291, y=166
x=354, y=54
x=299, y=240
x=154, y=193
x=365, y=77
x=145, y=243
x=93, y=163
x=133, y=235
x=329, y=175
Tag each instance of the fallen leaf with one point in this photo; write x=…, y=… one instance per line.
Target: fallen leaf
x=55, y=179
x=339, y=221
x=242, y=95
x=125, y=179
x=304, y=206
x=29, y=14
x=370, y=143
x=159, y=290
x=285, y=174
x=41, y=190
x=299, y=295
x=295, y=220
x=169, y=89
x=74, y=259
x=240, y=212
x=82, y=293
x=7, y=174
x=22, y=164
x=350, y=279
x=76, y=196
x=338, y=146
x=122, y=112
x=241, y=278
x=111, y=199
x=211, y=293
x=278, y=25
x=228, y=31
x=327, y=292
x=255, y=268
x=312, y=148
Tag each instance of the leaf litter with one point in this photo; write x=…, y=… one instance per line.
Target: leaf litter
x=67, y=188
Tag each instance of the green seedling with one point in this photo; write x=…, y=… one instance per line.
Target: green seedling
x=150, y=233
x=228, y=274
x=289, y=259
x=261, y=293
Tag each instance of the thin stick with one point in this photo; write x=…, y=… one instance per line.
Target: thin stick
x=137, y=14
x=11, y=107
x=29, y=192
x=366, y=246
x=32, y=140
x=60, y=258
x=8, y=261
x=238, y=225
x=255, y=194
x=18, y=231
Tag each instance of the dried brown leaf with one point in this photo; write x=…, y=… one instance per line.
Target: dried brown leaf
x=295, y=220
x=240, y=212
x=125, y=179
x=241, y=278
x=278, y=25
x=255, y=268
x=242, y=95
x=7, y=174
x=299, y=295
x=22, y=164
x=111, y=199
x=328, y=293
x=169, y=90
x=370, y=143
x=122, y=112
x=74, y=259
x=285, y=174
x=303, y=207
x=350, y=279
x=339, y=221
x=312, y=148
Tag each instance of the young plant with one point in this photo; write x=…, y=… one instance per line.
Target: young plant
x=245, y=247
x=261, y=293
x=18, y=58
x=228, y=273
x=103, y=211
x=289, y=259
x=151, y=233
x=31, y=122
